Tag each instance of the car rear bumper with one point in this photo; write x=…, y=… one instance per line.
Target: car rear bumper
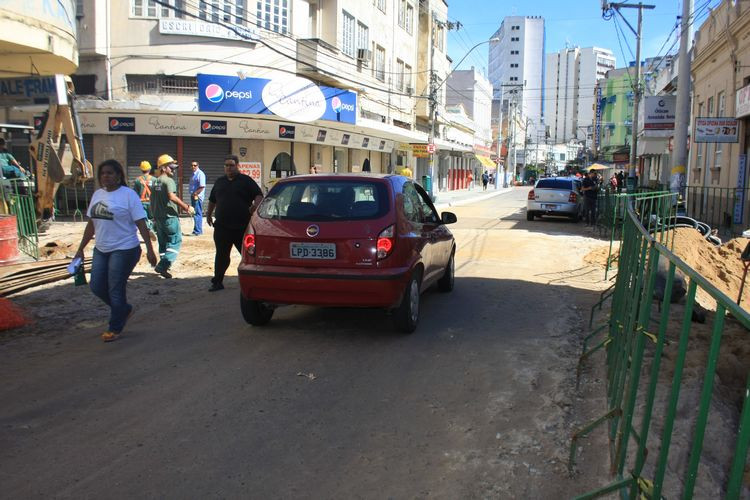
x=324, y=287
x=552, y=208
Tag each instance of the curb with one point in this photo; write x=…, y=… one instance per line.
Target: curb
x=473, y=199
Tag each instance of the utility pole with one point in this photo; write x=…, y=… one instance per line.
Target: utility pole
x=679, y=158
x=607, y=9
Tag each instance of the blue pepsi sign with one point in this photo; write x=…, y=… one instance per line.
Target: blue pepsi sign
x=292, y=98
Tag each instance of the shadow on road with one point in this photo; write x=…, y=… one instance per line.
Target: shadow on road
x=320, y=403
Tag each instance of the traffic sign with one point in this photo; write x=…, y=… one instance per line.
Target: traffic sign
x=430, y=148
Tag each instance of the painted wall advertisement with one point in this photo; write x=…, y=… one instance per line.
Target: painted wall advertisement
x=743, y=102
x=717, y=129
x=252, y=169
x=292, y=98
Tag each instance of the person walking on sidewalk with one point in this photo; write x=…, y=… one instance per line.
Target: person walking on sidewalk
x=485, y=180
x=115, y=213
x=590, y=192
x=234, y=196
x=166, y=205
x=470, y=179
x=142, y=187
x=197, y=188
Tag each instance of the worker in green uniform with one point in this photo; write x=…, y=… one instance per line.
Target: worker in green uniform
x=142, y=186
x=165, y=205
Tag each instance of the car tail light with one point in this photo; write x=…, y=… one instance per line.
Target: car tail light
x=532, y=196
x=248, y=242
x=573, y=198
x=385, y=242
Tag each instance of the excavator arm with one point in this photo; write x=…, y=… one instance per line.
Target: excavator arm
x=57, y=155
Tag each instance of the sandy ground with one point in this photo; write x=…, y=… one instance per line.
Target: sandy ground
x=479, y=403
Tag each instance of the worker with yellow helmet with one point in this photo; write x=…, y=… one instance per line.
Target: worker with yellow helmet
x=165, y=205
x=142, y=186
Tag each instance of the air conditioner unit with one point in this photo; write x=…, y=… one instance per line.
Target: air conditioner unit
x=409, y=90
x=364, y=55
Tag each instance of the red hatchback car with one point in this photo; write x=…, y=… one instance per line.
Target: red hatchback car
x=345, y=240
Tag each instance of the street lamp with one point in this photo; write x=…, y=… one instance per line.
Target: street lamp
x=433, y=101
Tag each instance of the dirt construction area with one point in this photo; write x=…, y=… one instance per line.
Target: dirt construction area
x=480, y=402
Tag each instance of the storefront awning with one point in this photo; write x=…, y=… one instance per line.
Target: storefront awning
x=486, y=161
x=652, y=146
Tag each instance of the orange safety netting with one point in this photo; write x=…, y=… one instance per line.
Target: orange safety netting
x=11, y=315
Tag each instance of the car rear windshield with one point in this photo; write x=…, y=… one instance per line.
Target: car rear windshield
x=555, y=184
x=313, y=200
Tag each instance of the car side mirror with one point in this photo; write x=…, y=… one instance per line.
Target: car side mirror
x=448, y=217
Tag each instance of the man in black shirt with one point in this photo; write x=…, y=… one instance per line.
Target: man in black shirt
x=234, y=196
x=590, y=192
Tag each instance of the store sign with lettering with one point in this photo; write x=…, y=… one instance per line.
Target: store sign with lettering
x=717, y=129
x=292, y=98
x=251, y=169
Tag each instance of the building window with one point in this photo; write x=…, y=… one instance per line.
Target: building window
x=719, y=147
x=514, y=52
x=399, y=74
x=514, y=39
x=347, y=35
x=401, y=13
x=699, y=149
x=438, y=34
x=380, y=63
x=152, y=9
x=513, y=65
x=162, y=85
x=222, y=11
x=380, y=4
x=407, y=79
x=273, y=15
x=363, y=36
x=409, y=21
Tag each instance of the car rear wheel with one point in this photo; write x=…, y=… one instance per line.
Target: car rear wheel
x=445, y=284
x=255, y=313
x=575, y=218
x=406, y=316
x=529, y=215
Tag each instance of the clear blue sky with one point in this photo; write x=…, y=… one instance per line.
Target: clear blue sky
x=577, y=22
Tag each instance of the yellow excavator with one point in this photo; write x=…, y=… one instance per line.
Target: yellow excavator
x=57, y=154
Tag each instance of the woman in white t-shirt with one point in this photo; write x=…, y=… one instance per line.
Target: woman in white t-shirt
x=115, y=212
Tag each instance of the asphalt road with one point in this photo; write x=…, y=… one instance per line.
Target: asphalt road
x=321, y=403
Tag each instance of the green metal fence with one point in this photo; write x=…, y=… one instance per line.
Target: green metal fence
x=670, y=431
x=73, y=201
x=654, y=209
x=17, y=195
x=716, y=207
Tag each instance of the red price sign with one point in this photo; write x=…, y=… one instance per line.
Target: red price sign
x=430, y=148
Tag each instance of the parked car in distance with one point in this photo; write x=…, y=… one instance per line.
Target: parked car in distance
x=345, y=240
x=560, y=196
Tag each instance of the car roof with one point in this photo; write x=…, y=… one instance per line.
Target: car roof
x=338, y=176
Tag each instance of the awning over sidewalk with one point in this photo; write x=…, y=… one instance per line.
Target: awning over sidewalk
x=486, y=161
x=652, y=146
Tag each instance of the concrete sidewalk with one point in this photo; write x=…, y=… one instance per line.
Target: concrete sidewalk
x=445, y=199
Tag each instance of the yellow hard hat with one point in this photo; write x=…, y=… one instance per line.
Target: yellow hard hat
x=145, y=166
x=164, y=160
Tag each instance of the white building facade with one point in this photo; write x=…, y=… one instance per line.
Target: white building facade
x=148, y=73
x=516, y=63
x=474, y=92
x=571, y=76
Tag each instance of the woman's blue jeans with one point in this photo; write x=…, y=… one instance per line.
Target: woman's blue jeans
x=109, y=275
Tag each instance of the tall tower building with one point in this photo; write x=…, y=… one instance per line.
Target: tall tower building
x=516, y=64
x=571, y=76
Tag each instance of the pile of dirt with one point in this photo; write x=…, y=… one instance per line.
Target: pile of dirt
x=57, y=250
x=721, y=266
x=599, y=255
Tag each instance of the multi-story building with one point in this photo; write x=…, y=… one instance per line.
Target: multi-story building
x=285, y=85
x=570, y=76
x=36, y=39
x=719, y=148
x=516, y=63
x=472, y=90
x=613, y=116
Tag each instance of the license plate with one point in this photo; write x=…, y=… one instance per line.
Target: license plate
x=312, y=250
x=549, y=207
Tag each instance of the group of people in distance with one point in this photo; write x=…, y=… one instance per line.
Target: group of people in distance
x=118, y=213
